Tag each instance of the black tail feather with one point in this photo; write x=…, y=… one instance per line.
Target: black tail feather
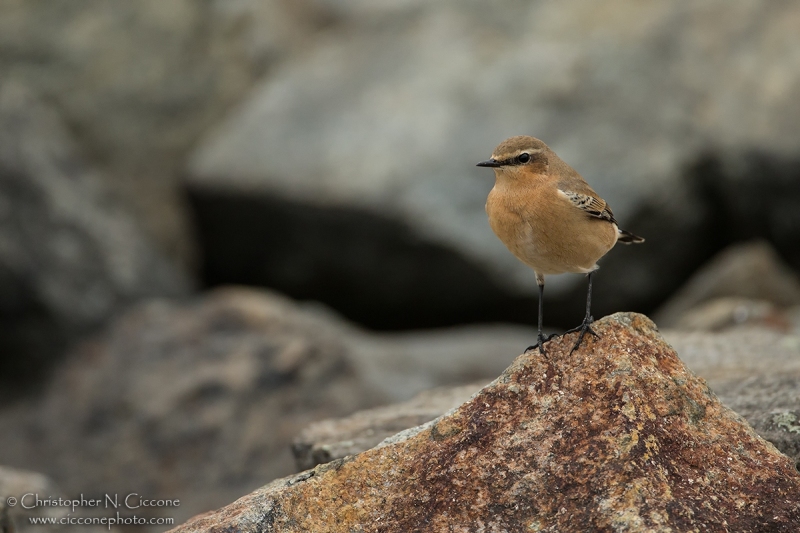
x=626, y=237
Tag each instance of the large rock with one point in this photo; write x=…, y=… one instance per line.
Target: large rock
x=139, y=82
x=756, y=372
x=404, y=364
x=70, y=255
x=20, y=514
x=738, y=354
x=730, y=312
x=751, y=270
x=380, y=126
x=195, y=401
x=14, y=485
x=771, y=404
x=326, y=440
x=765, y=390
x=200, y=400
x=617, y=436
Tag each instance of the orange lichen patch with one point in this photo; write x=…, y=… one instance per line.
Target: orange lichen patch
x=617, y=436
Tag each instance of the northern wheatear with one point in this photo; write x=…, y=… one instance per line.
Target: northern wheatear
x=549, y=217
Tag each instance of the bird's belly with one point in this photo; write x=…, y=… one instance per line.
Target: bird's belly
x=554, y=251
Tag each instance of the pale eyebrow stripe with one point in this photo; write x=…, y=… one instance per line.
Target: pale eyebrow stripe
x=511, y=160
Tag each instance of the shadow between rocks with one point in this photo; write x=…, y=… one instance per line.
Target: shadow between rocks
x=371, y=269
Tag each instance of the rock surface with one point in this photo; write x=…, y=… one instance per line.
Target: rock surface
x=755, y=371
x=751, y=270
x=326, y=440
x=724, y=313
x=19, y=484
x=15, y=483
x=771, y=404
x=386, y=120
x=70, y=256
x=618, y=436
x=404, y=364
x=225, y=381
x=738, y=354
x=765, y=390
x=138, y=82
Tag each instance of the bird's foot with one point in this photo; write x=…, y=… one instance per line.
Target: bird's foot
x=584, y=328
x=585, y=324
x=540, y=343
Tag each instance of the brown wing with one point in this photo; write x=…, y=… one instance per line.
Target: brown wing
x=591, y=205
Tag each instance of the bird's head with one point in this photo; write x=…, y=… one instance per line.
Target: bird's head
x=519, y=155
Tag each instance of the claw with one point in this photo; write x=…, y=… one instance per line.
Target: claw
x=584, y=328
x=540, y=343
x=586, y=322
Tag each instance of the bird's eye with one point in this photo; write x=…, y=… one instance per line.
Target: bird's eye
x=524, y=158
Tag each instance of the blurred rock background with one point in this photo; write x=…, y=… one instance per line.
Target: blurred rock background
x=323, y=151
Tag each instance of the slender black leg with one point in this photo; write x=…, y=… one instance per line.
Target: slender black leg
x=541, y=339
x=585, y=326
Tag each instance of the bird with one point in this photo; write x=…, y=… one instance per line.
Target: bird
x=550, y=219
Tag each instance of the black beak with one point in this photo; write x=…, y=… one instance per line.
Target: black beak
x=489, y=163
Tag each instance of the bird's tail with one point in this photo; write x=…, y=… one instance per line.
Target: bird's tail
x=626, y=237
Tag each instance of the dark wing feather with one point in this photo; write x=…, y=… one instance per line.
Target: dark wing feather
x=591, y=205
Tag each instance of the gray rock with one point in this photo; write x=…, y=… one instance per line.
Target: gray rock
x=138, y=82
x=771, y=404
x=751, y=271
x=388, y=119
x=404, y=364
x=15, y=483
x=737, y=354
x=19, y=490
x=226, y=382
x=724, y=313
x=70, y=255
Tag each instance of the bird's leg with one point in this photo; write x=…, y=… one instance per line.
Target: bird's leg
x=541, y=339
x=585, y=326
